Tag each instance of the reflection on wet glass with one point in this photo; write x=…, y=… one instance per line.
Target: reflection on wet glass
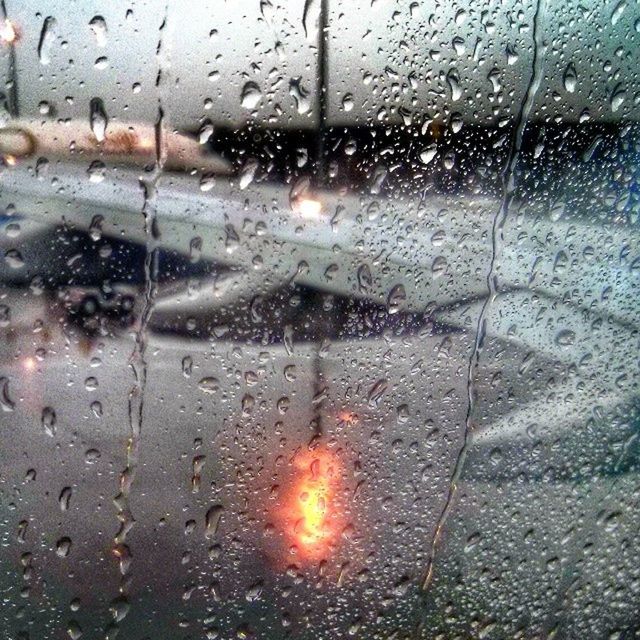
x=319, y=320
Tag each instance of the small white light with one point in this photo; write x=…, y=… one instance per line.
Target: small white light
x=308, y=208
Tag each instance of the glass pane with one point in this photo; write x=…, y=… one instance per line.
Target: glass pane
x=319, y=319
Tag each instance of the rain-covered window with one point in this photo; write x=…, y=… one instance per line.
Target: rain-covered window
x=319, y=319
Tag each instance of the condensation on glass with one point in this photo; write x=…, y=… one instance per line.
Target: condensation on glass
x=319, y=319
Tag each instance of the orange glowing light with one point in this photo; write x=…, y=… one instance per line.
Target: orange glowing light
x=10, y=160
x=347, y=418
x=310, y=516
x=8, y=34
x=29, y=364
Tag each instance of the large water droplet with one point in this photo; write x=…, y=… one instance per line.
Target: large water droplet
x=376, y=392
x=47, y=38
x=14, y=259
x=63, y=547
x=428, y=153
x=251, y=95
x=364, y=278
x=397, y=297
x=49, y=420
x=300, y=95
x=98, y=119
x=74, y=630
x=5, y=400
x=570, y=78
x=565, y=337
x=212, y=520
x=64, y=498
x=439, y=266
x=208, y=385
x=453, y=80
x=617, y=97
x=248, y=173
x=96, y=171
x=101, y=63
x=98, y=26
x=617, y=12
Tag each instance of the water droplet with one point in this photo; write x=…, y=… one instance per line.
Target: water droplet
x=232, y=239
x=617, y=97
x=74, y=630
x=248, y=403
x=101, y=63
x=195, y=249
x=570, y=78
x=22, y=530
x=205, y=133
x=12, y=230
x=428, y=153
x=91, y=456
x=458, y=45
x=300, y=95
x=119, y=608
x=449, y=160
x=376, y=393
x=64, y=498
x=347, y=102
x=208, y=385
x=453, y=80
x=197, y=466
x=248, y=173
x=5, y=400
x=207, y=182
x=311, y=20
x=557, y=211
x=42, y=167
x=439, y=266
x=187, y=366
x=48, y=420
x=379, y=176
x=617, y=12
x=456, y=122
x=254, y=592
x=96, y=171
x=365, y=279
x=98, y=26
x=14, y=259
x=47, y=38
x=565, y=338
x=396, y=298
x=5, y=315
x=461, y=16
x=212, y=520
x=96, y=408
x=251, y=95
x=98, y=119
x=63, y=547
x=287, y=338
